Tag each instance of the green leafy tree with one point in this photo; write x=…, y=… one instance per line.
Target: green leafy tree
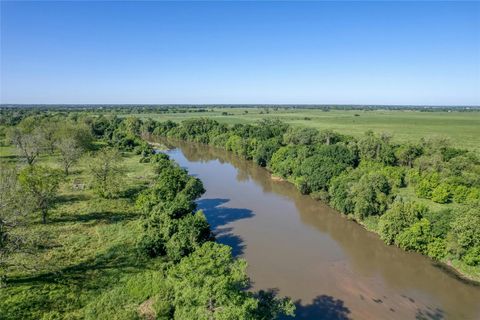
x=28, y=144
x=70, y=152
x=400, y=216
x=464, y=234
x=371, y=195
x=407, y=153
x=417, y=237
x=13, y=207
x=300, y=136
x=106, y=172
x=340, y=191
x=41, y=183
x=460, y=194
x=191, y=232
x=376, y=148
x=211, y=284
x=441, y=193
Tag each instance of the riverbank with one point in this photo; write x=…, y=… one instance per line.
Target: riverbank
x=310, y=252
x=453, y=267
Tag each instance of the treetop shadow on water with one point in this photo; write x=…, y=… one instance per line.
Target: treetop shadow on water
x=218, y=216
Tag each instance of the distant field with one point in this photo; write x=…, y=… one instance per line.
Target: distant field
x=463, y=128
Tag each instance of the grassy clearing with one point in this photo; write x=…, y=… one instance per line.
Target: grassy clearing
x=463, y=128
x=86, y=250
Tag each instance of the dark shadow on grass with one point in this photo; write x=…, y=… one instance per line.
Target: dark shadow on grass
x=323, y=307
x=94, y=273
x=132, y=192
x=10, y=158
x=105, y=217
x=72, y=198
x=219, y=216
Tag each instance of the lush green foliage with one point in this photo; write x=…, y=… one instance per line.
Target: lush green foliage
x=106, y=172
x=84, y=262
x=361, y=177
x=41, y=185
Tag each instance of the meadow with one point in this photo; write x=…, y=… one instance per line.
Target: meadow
x=87, y=246
x=462, y=128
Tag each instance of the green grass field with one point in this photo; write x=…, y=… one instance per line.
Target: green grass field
x=81, y=264
x=462, y=128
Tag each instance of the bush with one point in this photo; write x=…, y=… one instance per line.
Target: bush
x=340, y=193
x=426, y=185
x=441, y=194
x=371, y=195
x=472, y=257
x=440, y=222
x=436, y=249
x=460, y=193
x=400, y=216
x=417, y=237
x=464, y=234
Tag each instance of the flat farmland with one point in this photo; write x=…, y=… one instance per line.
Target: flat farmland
x=462, y=128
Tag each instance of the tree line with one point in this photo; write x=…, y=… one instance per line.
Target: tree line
x=366, y=178
x=200, y=279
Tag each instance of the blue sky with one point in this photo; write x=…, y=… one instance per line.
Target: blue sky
x=241, y=52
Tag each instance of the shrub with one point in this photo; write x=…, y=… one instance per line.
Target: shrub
x=441, y=194
x=472, y=257
x=436, y=249
x=400, y=216
x=416, y=237
x=460, y=193
x=464, y=234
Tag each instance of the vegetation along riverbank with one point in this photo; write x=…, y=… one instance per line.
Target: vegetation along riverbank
x=96, y=226
x=94, y=223
x=419, y=196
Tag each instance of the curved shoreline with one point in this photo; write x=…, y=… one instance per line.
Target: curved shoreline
x=445, y=265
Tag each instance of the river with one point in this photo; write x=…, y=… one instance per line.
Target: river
x=330, y=266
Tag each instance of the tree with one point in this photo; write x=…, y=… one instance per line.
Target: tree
x=13, y=206
x=341, y=197
x=300, y=136
x=376, y=148
x=106, y=172
x=417, y=237
x=328, y=137
x=407, y=153
x=41, y=183
x=211, y=284
x=47, y=132
x=191, y=232
x=371, y=195
x=28, y=143
x=441, y=194
x=400, y=216
x=464, y=234
x=70, y=152
x=327, y=162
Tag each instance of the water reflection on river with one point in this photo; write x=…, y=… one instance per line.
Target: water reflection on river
x=332, y=267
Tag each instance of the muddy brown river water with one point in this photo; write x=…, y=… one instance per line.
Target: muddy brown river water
x=330, y=266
